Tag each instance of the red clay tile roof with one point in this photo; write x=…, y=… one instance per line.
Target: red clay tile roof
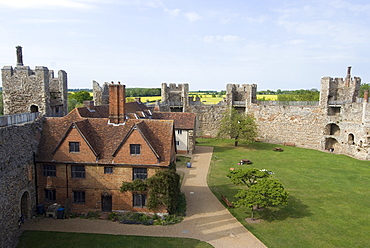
x=182, y=120
x=103, y=111
x=103, y=138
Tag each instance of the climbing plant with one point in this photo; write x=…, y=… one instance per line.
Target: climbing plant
x=163, y=189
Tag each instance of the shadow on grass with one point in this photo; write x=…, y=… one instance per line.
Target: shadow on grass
x=295, y=209
x=226, y=145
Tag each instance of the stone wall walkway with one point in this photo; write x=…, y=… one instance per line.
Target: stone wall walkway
x=206, y=220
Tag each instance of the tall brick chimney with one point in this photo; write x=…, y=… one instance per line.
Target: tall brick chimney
x=348, y=77
x=117, y=98
x=366, y=96
x=19, y=56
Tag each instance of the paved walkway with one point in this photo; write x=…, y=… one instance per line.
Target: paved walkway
x=206, y=220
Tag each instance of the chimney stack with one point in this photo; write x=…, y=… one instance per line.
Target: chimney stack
x=366, y=96
x=89, y=104
x=348, y=77
x=117, y=100
x=19, y=56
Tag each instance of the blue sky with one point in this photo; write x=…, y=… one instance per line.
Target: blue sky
x=277, y=44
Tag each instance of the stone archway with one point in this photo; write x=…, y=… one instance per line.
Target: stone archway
x=351, y=139
x=25, y=205
x=331, y=143
x=332, y=129
x=34, y=109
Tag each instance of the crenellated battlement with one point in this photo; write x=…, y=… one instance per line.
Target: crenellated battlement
x=26, y=90
x=344, y=90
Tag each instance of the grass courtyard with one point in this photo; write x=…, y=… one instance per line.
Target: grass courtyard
x=42, y=239
x=329, y=202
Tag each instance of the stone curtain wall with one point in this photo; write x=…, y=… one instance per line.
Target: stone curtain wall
x=208, y=119
x=301, y=125
x=17, y=176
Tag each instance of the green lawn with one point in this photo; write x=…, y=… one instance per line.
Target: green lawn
x=42, y=239
x=329, y=202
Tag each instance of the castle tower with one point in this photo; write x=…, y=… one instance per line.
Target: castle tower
x=241, y=96
x=175, y=97
x=26, y=90
x=338, y=91
x=100, y=94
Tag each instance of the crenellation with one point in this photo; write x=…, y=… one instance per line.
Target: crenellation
x=26, y=90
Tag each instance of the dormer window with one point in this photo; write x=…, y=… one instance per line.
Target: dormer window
x=134, y=149
x=74, y=146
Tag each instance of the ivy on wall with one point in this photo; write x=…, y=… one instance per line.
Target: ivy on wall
x=163, y=189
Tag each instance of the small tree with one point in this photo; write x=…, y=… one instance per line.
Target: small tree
x=363, y=88
x=267, y=192
x=248, y=176
x=239, y=127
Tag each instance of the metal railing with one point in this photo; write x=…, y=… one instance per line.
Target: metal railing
x=8, y=120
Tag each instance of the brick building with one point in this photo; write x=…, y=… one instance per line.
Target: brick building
x=185, y=123
x=184, y=129
x=84, y=160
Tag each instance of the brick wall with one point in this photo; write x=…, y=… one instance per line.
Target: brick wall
x=95, y=184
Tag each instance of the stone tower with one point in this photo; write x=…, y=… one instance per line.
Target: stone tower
x=26, y=90
x=175, y=97
x=339, y=90
x=100, y=94
x=241, y=96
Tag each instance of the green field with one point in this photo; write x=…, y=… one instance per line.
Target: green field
x=205, y=98
x=329, y=196
x=42, y=239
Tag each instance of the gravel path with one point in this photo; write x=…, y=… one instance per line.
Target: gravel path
x=206, y=220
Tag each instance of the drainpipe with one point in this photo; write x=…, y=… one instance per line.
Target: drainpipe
x=67, y=180
x=36, y=187
x=366, y=100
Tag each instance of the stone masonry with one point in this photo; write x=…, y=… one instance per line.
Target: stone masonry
x=339, y=121
x=26, y=90
x=18, y=144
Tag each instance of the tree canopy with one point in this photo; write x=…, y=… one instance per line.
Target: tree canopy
x=240, y=127
x=363, y=88
x=267, y=192
x=248, y=176
x=81, y=96
x=261, y=191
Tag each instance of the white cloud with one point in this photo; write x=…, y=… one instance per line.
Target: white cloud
x=225, y=20
x=230, y=38
x=139, y=3
x=192, y=16
x=173, y=12
x=41, y=21
x=296, y=42
x=37, y=4
x=259, y=19
x=224, y=38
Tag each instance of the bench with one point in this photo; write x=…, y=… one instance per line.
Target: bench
x=226, y=201
x=245, y=161
x=278, y=149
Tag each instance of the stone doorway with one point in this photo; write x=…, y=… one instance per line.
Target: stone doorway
x=332, y=129
x=331, y=143
x=25, y=205
x=34, y=109
x=106, y=203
